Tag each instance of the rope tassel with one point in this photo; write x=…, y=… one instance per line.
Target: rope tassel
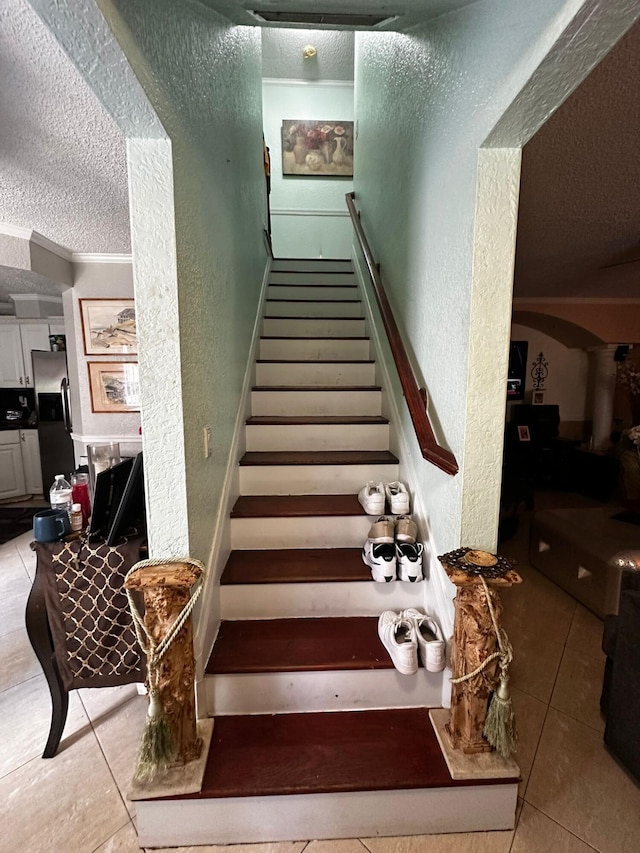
x=500, y=725
x=157, y=749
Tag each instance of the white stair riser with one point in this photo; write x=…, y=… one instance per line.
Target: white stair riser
x=310, y=265
x=319, y=279
x=312, y=479
x=309, y=291
x=301, y=373
x=318, y=437
x=316, y=402
x=306, y=308
x=313, y=328
x=290, y=600
x=319, y=532
x=315, y=348
x=302, y=692
x=357, y=814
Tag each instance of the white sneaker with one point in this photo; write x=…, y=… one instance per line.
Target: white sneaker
x=381, y=559
x=409, y=560
x=371, y=497
x=383, y=530
x=398, y=636
x=398, y=498
x=429, y=637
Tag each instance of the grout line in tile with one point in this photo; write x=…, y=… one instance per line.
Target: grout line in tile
x=557, y=823
x=106, y=760
x=364, y=845
x=120, y=828
x=19, y=683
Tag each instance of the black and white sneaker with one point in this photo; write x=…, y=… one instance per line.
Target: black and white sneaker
x=381, y=559
x=409, y=558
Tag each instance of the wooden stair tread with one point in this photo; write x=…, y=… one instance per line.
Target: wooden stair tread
x=295, y=506
x=316, y=388
x=295, y=565
x=298, y=645
x=315, y=361
x=315, y=753
x=307, y=317
x=315, y=284
x=318, y=457
x=314, y=338
x=301, y=420
x=313, y=301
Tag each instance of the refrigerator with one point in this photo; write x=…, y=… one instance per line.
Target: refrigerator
x=51, y=386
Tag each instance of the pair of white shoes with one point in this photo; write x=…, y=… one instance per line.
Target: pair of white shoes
x=373, y=497
x=405, y=634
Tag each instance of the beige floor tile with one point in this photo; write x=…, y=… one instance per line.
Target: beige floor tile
x=538, y=607
x=119, y=732
x=14, y=592
x=536, y=832
x=535, y=662
x=345, y=845
x=585, y=634
x=577, y=784
x=271, y=847
x=19, y=662
x=578, y=687
x=100, y=701
x=68, y=803
x=25, y=718
x=23, y=546
x=456, y=842
x=124, y=841
x=530, y=714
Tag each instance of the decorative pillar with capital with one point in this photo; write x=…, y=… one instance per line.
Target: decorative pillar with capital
x=604, y=387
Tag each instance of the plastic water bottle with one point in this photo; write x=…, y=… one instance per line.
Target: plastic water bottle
x=60, y=494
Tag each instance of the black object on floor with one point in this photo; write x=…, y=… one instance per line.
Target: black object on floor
x=629, y=516
x=14, y=521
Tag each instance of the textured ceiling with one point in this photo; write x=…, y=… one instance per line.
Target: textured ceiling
x=62, y=158
x=579, y=200
x=406, y=13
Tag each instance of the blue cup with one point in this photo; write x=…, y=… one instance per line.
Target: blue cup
x=51, y=525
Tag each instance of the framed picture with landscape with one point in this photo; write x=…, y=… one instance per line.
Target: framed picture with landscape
x=109, y=326
x=114, y=386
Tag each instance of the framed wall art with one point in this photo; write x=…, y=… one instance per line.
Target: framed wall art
x=114, y=386
x=109, y=326
x=317, y=148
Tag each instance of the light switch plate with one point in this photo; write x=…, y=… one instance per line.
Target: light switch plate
x=207, y=441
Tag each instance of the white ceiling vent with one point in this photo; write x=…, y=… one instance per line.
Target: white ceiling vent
x=323, y=19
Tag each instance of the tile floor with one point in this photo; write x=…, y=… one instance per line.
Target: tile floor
x=574, y=797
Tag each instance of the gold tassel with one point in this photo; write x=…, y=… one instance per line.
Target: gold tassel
x=500, y=724
x=157, y=748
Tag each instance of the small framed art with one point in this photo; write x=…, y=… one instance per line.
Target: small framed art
x=523, y=433
x=114, y=386
x=109, y=326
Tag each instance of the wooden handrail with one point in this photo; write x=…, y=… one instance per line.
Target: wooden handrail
x=416, y=397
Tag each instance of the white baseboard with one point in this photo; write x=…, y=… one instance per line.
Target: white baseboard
x=439, y=592
x=208, y=610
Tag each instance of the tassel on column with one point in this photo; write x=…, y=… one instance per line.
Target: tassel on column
x=500, y=725
x=157, y=748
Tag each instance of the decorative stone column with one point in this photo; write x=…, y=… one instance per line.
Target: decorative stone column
x=604, y=386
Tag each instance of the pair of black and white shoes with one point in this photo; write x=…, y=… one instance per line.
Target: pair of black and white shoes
x=391, y=550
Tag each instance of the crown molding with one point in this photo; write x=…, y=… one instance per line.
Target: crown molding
x=97, y=258
x=289, y=81
x=38, y=239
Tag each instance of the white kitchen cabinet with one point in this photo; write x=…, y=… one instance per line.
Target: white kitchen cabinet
x=11, y=358
x=34, y=336
x=12, y=483
x=16, y=342
x=31, y=461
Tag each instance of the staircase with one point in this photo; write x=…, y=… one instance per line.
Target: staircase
x=316, y=735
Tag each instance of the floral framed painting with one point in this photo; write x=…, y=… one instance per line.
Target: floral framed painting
x=114, y=386
x=317, y=148
x=109, y=326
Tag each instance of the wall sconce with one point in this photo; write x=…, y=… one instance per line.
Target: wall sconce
x=309, y=52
